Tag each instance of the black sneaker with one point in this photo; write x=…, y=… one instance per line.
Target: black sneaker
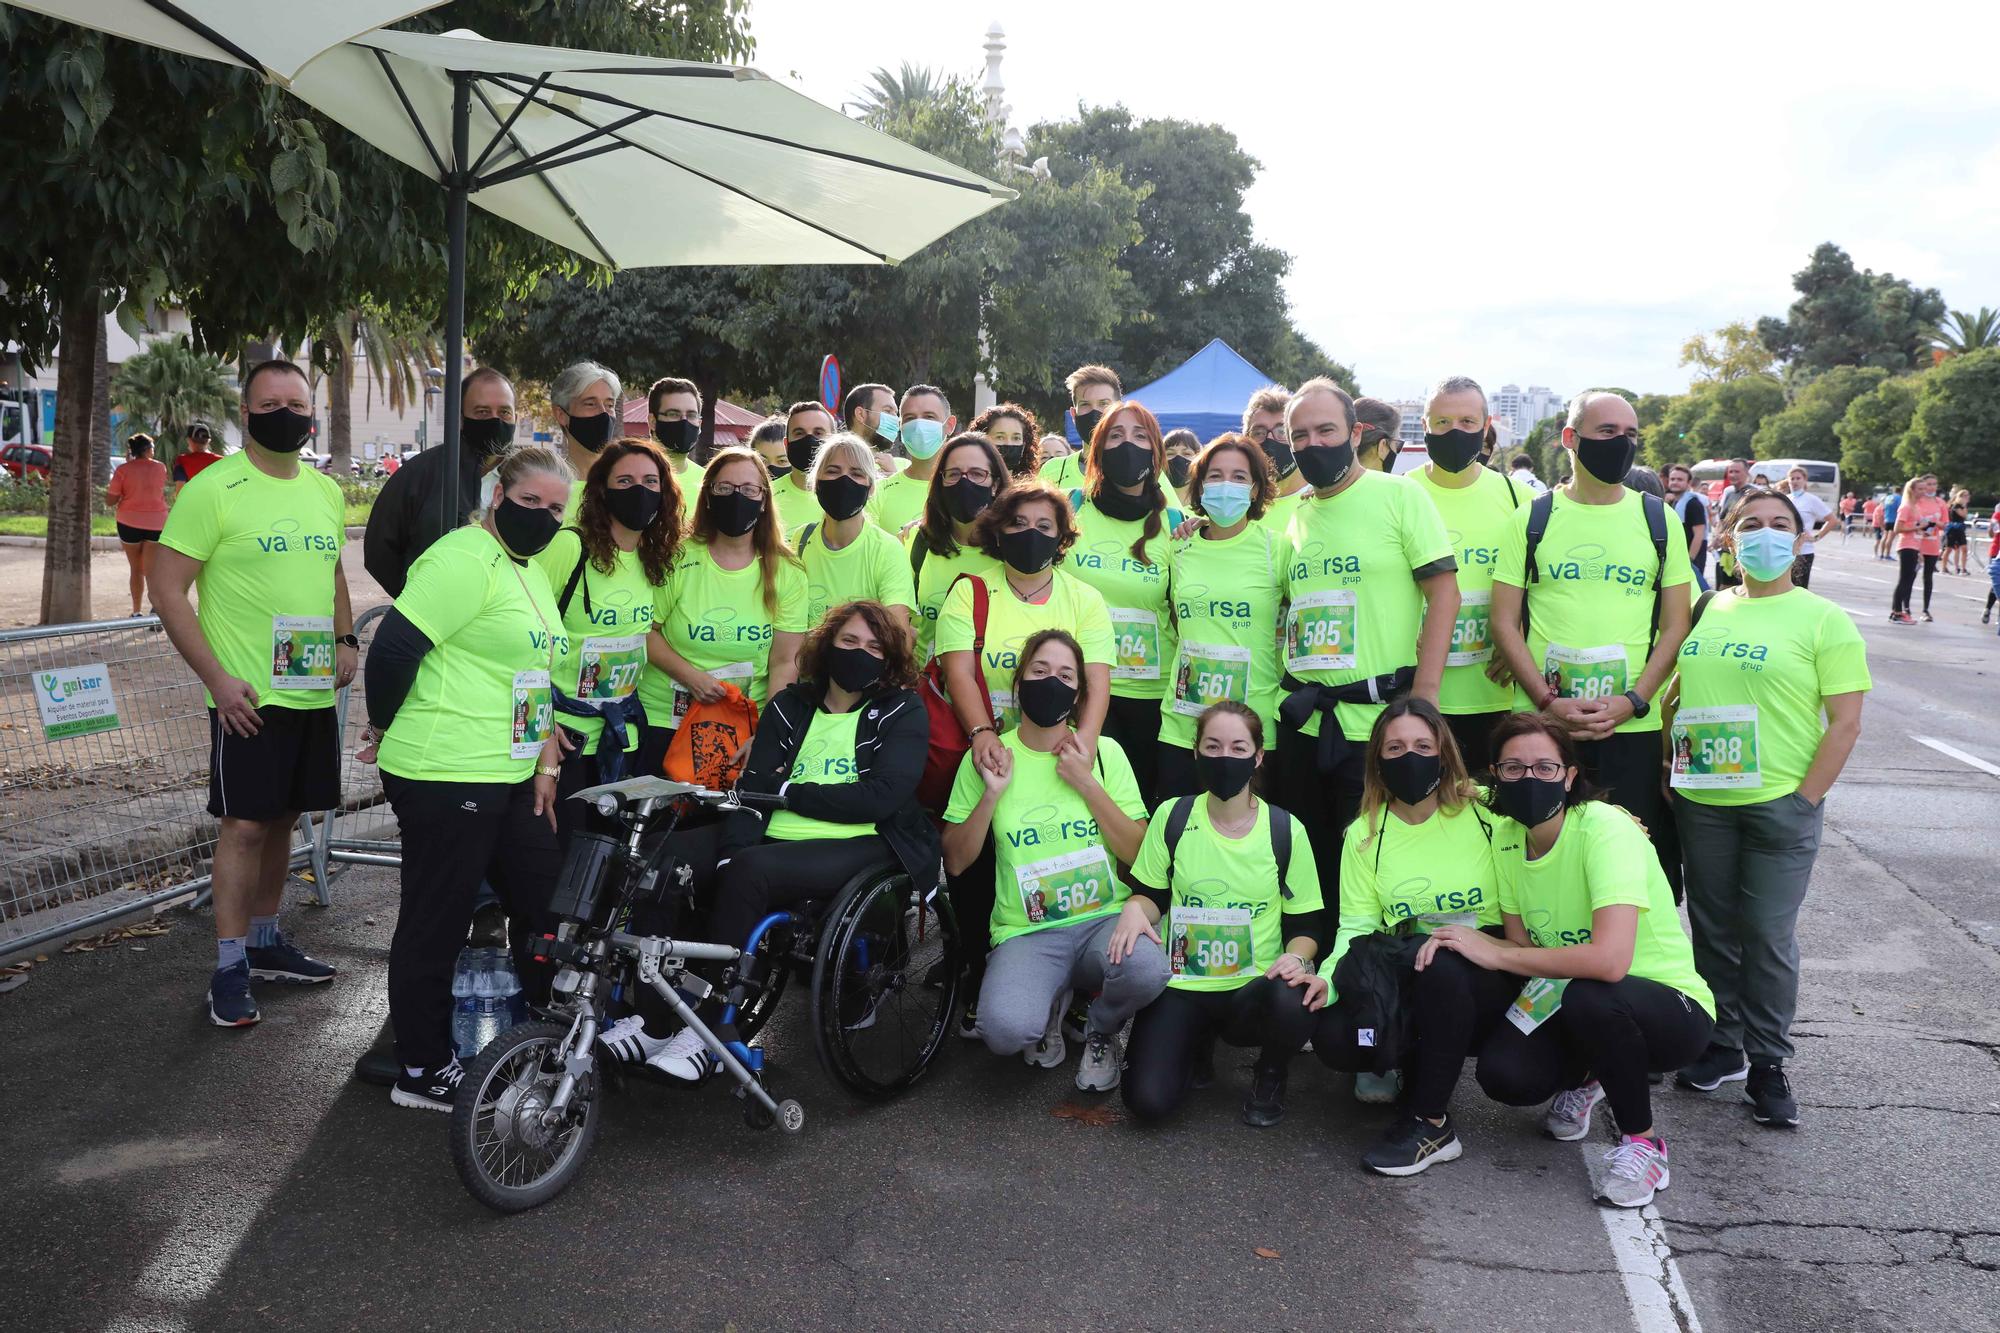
x=1770, y=1096
x=1411, y=1145
x=1266, y=1105
x=1716, y=1066
x=432, y=1090
x=229, y=1002
x=286, y=961
x=1204, y=1066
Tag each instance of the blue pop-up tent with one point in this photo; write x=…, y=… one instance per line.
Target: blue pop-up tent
x=1204, y=394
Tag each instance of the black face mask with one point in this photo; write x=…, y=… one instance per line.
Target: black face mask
x=677, y=436
x=636, y=507
x=1223, y=775
x=853, y=669
x=1011, y=455
x=965, y=499
x=841, y=497
x=593, y=433
x=281, y=430
x=1279, y=453
x=777, y=472
x=1047, y=701
x=1029, y=551
x=485, y=437
x=1530, y=800
x=1323, y=465
x=1454, y=450
x=1086, y=424
x=524, y=531
x=1411, y=776
x=1127, y=464
x=1607, y=460
x=801, y=452
x=1178, y=467
x=735, y=514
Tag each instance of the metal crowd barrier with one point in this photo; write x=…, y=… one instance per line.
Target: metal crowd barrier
x=364, y=830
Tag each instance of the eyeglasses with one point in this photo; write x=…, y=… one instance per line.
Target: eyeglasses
x=1513, y=770
x=749, y=490
x=978, y=476
x=1258, y=434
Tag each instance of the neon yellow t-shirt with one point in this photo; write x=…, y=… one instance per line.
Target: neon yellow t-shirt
x=1051, y=865
x=934, y=580
x=264, y=596
x=1226, y=596
x=1601, y=859
x=480, y=708
x=608, y=619
x=1065, y=473
x=1072, y=605
x=1225, y=923
x=1590, y=614
x=1356, y=608
x=1476, y=521
x=1437, y=873
x=797, y=505
x=871, y=567
x=825, y=758
x=1754, y=673
x=1135, y=595
x=1279, y=514
x=898, y=502
x=717, y=620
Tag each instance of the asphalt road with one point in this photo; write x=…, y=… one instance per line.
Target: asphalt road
x=165, y=1174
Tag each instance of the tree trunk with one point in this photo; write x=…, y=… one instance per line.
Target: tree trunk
x=339, y=411
x=66, y=558
x=100, y=412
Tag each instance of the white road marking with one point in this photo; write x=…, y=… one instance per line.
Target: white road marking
x=1958, y=754
x=1653, y=1287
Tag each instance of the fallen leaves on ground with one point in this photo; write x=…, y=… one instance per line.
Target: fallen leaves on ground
x=142, y=930
x=1097, y=1116
x=1263, y=1252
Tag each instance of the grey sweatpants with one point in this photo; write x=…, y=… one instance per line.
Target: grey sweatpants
x=1746, y=868
x=1026, y=974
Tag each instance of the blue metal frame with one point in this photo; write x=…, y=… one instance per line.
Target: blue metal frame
x=754, y=1059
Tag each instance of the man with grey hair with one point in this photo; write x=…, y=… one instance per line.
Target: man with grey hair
x=588, y=402
x=1477, y=506
x=1264, y=424
x=1589, y=607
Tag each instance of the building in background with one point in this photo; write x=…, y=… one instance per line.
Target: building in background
x=1517, y=411
x=1412, y=429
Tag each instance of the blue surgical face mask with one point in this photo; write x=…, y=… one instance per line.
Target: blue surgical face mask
x=1765, y=553
x=922, y=437
x=886, y=428
x=1225, y=502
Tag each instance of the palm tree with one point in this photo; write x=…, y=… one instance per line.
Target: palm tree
x=172, y=385
x=396, y=357
x=1968, y=333
x=891, y=93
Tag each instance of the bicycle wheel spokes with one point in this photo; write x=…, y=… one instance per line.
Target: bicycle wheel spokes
x=515, y=1141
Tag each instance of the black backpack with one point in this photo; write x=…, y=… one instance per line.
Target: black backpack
x=1281, y=840
x=1544, y=506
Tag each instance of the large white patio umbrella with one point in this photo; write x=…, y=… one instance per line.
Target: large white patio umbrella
x=635, y=162
x=269, y=36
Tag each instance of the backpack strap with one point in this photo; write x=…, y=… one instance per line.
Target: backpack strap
x=575, y=577
x=1281, y=847
x=920, y=547
x=1656, y=528
x=806, y=535
x=1177, y=822
x=1539, y=513
x=1513, y=496
x=1701, y=605
x=1076, y=500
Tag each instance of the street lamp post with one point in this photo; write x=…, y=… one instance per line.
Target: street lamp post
x=433, y=380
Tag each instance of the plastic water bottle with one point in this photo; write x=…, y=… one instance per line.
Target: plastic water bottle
x=514, y=1005
x=489, y=1002
x=464, y=1008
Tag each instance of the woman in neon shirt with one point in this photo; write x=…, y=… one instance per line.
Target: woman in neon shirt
x=1920, y=524
x=138, y=490
x=944, y=543
x=847, y=556
x=1015, y=433
x=1771, y=684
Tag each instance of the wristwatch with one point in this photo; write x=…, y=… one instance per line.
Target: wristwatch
x=349, y=640
x=547, y=771
x=1638, y=701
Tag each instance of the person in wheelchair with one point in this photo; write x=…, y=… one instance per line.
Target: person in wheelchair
x=1059, y=823
x=845, y=747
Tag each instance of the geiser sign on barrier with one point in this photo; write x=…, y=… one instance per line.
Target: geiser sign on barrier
x=75, y=701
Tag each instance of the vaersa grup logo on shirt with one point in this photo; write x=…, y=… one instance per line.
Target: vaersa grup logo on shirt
x=1220, y=893
x=1111, y=554
x=1315, y=561
x=719, y=624
x=1044, y=826
x=1747, y=656
x=1420, y=896
x=1586, y=564
x=285, y=538
x=1196, y=602
x=814, y=764
x=1468, y=556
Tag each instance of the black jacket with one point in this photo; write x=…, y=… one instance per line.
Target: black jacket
x=891, y=743
x=414, y=509
x=1372, y=980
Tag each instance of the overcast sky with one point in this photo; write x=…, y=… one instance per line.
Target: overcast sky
x=1538, y=193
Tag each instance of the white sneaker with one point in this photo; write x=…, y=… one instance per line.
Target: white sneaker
x=684, y=1057
x=1634, y=1172
x=1098, y=1071
x=1568, y=1116
x=627, y=1040
x=1050, y=1051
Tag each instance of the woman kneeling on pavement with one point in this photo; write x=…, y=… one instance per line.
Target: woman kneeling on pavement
x=459, y=706
x=1059, y=817
x=1418, y=857
x=845, y=747
x=1612, y=994
x=1244, y=929
x=1771, y=680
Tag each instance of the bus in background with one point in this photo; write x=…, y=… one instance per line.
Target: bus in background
x=1822, y=478
x=1710, y=478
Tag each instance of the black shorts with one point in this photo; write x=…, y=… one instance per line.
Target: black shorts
x=291, y=764
x=132, y=536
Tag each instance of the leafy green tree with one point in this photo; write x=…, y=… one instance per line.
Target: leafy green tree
x=1730, y=353
x=1962, y=332
x=1955, y=431
x=1804, y=427
x=1871, y=428
x=170, y=386
x=396, y=348
x=1714, y=420
x=1852, y=317
x=896, y=94
x=1544, y=447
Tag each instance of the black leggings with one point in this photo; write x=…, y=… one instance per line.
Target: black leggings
x=1616, y=1032
x=1907, y=579
x=1172, y=1030
x=1454, y=1006
x=1135, y=725
x=1474, y=734
x=1325, y=803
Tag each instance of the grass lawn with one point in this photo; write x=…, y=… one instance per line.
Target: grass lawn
x=101, y=525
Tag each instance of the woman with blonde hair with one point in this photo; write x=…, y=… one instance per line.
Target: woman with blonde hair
x=847, y=558
x=1920, y=524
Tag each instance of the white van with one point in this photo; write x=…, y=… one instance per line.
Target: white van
x=1822, y=478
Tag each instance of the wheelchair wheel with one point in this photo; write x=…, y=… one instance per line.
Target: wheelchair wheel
x=885, y=983
x=509, y=1158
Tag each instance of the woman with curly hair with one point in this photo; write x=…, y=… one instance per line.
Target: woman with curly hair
x=605, y=570
x=1016, y=433
x=941, y=545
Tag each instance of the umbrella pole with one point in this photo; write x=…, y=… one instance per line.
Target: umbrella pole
x=457, y=187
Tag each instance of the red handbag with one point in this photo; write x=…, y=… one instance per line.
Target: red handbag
x=948, y=739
